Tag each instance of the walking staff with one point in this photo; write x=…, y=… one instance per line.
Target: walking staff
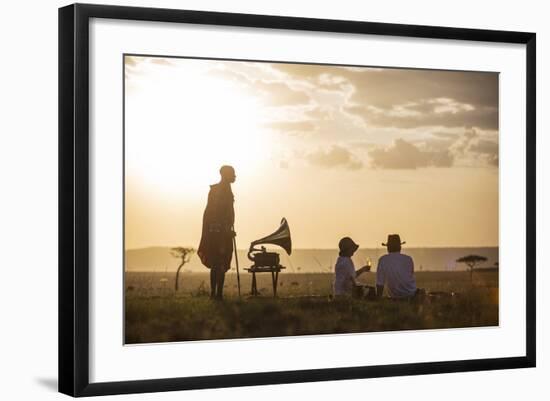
x=237, y=262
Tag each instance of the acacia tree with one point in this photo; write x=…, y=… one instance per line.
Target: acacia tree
x=183, y=254
x=471, y=261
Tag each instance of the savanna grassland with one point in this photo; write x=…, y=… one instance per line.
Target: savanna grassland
x=155, y=312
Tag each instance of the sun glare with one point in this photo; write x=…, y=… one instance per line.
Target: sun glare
x=183, y=127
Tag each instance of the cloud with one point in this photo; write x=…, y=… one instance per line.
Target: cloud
x=387, y=87
x=471, y=148
x=442, y=150
x=280, y=94
x=487, y=149
x=161, y=61
x=405, y=98
x=130, y=61
x=131, y=67
x=405, y=155
x=135, y=66
x=274, y=92
x=335, y=156
x=485, y=146
x=301, y=71
x=321, y=113
x=461, y=145
x=447, y=135
x=135, y=60
x=293, y=127
x=443, y=112
x=447, y=105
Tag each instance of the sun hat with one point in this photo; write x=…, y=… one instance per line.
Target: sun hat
x=347, y=244
x=393, y=240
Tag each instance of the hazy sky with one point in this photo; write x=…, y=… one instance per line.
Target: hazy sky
x=338, y=151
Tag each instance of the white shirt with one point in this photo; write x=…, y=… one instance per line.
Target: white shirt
x=397, y=272
x=344, y=276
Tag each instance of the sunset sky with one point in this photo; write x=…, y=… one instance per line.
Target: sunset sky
x=338, y=151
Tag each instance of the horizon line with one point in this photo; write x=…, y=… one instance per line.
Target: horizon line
x=336, y=248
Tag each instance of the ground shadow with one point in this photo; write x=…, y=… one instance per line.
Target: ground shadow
x=48, y=382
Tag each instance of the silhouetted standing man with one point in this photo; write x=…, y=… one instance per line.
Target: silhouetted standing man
x=216, y=246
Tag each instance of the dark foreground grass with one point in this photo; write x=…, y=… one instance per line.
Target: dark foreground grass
x=163, y=315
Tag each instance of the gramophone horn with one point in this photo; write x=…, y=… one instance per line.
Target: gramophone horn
x=280, y=237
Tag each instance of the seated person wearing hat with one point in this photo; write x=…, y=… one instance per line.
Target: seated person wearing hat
x=395, y=270
x=345, y=273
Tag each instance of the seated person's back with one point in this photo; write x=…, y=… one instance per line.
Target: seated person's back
x=344, y=276
x=396, y=271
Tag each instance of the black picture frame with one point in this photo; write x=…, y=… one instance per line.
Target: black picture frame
x=74, y=202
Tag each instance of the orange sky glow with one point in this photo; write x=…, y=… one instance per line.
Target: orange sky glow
x=336, y=150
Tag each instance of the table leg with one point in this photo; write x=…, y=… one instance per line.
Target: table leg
x=275, y=279
x=254, y=290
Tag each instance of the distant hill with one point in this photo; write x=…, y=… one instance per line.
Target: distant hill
x=315, y=260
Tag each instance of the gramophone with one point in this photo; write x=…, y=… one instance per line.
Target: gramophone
x=280, y=237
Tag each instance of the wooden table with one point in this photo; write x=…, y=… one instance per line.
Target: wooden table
x=274, y=270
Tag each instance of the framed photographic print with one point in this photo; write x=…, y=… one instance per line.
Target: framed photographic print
x=246, y=199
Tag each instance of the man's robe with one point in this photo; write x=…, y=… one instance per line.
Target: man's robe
x=216, y=246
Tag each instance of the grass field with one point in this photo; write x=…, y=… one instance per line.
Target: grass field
x=154, y=312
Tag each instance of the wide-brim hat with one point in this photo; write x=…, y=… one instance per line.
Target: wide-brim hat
x=347, y=244
x=393, y=239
